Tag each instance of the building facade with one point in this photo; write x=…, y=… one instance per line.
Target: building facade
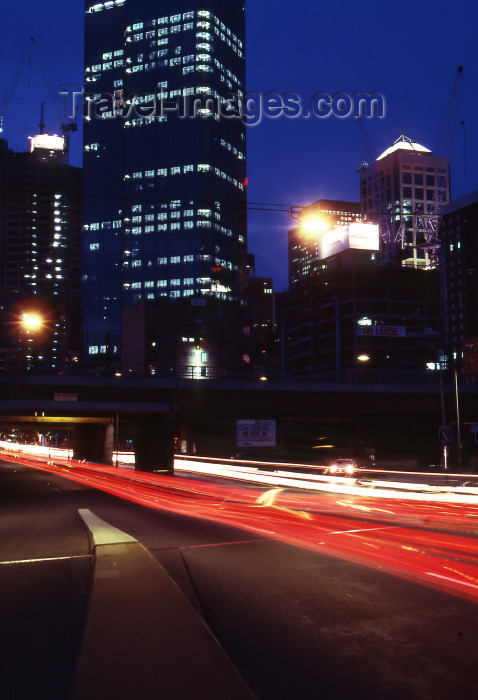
x=264, y=345
x=318, y=217
x=195, y=338
x=40, y=231
x=164, y=158
x=405, y=191
x=362, y=316
x=459, y=237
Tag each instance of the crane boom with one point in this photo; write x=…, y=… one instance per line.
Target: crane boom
x=11, y=88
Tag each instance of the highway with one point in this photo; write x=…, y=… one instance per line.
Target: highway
x=335, y=590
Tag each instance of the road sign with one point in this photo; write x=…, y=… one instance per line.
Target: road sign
x=65, y=397
x=256, y=433
x=445, y=434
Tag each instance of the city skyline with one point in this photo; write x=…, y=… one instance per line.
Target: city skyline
x=295, y=161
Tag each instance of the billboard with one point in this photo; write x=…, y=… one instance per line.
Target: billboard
x=383, y=331
x=44, y=141
x=355, y=235
x=387, y=331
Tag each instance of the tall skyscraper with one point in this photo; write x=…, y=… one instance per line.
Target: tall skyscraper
x=405, y=191
x=460, y=278
x=164, y=158
x=40, y=229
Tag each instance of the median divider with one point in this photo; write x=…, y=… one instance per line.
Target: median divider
x=143, y=639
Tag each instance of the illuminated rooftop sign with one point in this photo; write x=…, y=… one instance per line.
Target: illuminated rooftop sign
x=46, y=142
x=354, y=235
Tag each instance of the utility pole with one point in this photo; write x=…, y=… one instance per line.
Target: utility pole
x=445, y=446
x=458, y=436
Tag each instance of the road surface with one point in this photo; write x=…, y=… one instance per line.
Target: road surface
x=296, y=623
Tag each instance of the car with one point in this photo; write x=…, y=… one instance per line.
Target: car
x=342, y=466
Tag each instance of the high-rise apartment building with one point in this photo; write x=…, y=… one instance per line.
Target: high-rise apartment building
x=40, y=230
x=459, y=272
x=404, y=191
x=318, y=217
x=164, y=158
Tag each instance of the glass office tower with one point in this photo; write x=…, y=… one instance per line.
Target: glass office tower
x=164, y=210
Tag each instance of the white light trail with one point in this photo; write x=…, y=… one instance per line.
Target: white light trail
x=342, y=485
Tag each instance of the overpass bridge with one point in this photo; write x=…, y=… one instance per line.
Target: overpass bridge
x=350, y=415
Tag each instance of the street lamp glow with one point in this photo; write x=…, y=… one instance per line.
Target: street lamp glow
x=315, y=224
x=363, y=358
x=31, y=321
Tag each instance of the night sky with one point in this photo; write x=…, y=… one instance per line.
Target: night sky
x=408, y=51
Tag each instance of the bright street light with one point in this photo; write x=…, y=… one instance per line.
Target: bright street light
x=31, y=321
x=315, y=224
x=363, y=358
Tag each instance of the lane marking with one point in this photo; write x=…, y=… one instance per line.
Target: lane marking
x=102, y=532
x=365, y=529
x=212, y=544
x=32, y=561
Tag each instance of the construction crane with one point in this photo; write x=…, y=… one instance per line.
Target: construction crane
x=66, y=126
x=11, y=88
x=380, y=212
x=428, y=225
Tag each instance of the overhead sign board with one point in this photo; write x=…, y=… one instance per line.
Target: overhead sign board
x=66, y=397
x=255, y=433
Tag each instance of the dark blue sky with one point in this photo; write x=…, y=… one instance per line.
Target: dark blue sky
x=408, y=51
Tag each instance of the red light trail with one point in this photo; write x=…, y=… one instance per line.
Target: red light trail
x=426, y=539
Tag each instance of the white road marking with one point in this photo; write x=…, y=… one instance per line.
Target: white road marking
x=32, y=561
